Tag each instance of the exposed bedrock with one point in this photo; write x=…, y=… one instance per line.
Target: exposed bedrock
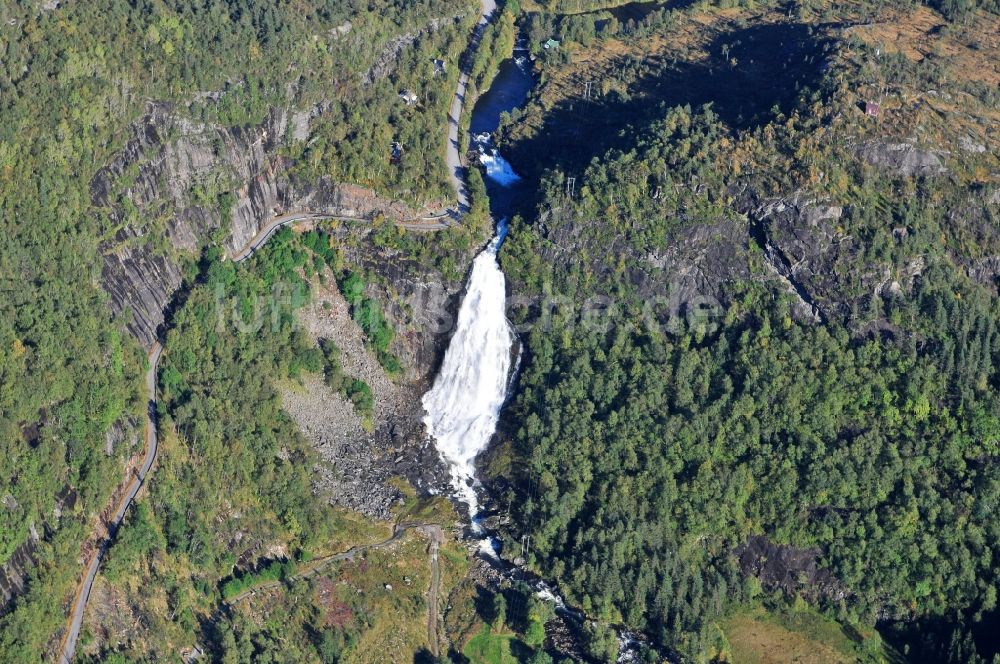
x=179, y=184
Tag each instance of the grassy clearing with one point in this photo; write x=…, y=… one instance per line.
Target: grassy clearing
x=971, y=49
x=584, y=8
x=397, y=618
x=757, y=636
x=602, y=60
x=377, y=601
x=454, y=560
x=489, y=648
x=353, y=529
x=381, y=598
x=460, y=620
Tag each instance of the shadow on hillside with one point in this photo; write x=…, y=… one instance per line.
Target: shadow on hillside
x=751, y=76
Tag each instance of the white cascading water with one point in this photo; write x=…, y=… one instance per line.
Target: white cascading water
x=497, y=168
x=464, y=404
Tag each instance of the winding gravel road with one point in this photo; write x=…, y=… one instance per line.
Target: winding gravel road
x=423, y=224
x=83, y=594
x=437, y=539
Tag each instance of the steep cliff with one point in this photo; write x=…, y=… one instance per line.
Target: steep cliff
x=179, y=184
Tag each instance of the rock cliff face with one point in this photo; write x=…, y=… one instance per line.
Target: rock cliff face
x=902, y=159
x=797, y=240
x=140, y=283
x=698, y=262
x=158, y=176
x=14, y=573
x=178, y=184
x=797, y=243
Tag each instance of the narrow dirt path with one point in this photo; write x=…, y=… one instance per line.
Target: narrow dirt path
x=436, y=534
x=424, y=224
x=319, y=563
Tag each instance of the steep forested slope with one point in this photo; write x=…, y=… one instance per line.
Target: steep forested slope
x=766, y=328
x=763, y=364
x=134, y=134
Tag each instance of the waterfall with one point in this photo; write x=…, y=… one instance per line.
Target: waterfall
x=464, y=404
x=497, y=168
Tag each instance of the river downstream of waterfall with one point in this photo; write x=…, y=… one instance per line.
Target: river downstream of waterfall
x=463, y=405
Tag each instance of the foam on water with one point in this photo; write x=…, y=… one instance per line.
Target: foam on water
x=497, y=168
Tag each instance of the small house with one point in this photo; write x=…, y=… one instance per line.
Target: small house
x=872, y=109
x=408, y=97
x=551, y=44
x=396, y=155
x=440, y=67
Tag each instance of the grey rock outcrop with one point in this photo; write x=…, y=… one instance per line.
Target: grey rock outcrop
x=140, y=283
x=122, y=431
x=14, y=572
x=697, y=264
x=788, y=568
x=969, y=144
x=796, y=243
x=976, y=217
x=985, y=270
x=388, y=59
x=902, y=159
x=163, y=173
x=799, y=240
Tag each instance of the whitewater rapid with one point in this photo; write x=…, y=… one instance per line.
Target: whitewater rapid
x=498, y=169
x=464, y=404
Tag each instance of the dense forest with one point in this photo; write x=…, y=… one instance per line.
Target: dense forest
x=650, y=437
x=650, y=458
